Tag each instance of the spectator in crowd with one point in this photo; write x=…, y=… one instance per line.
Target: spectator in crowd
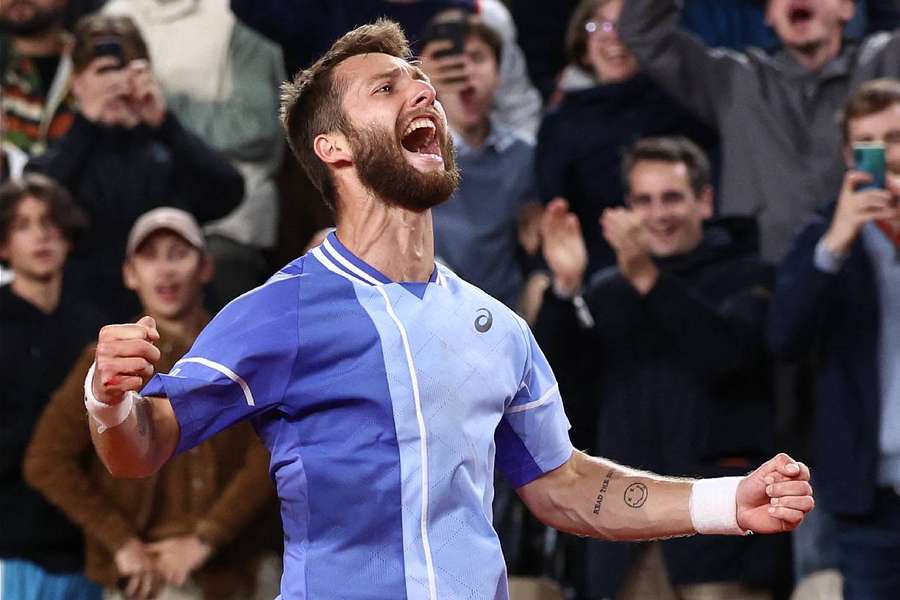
x=686, y=302
x=127, y=153
x=182, y=533
x=476, y=232
x=42, y=329
x=225, y=90
x=35, y=68
x=608, y=104
x=838, y=297
x=774, y=113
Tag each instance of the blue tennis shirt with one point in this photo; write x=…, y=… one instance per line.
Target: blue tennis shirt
x=385, y=407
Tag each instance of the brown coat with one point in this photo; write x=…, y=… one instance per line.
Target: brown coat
x=215, y=490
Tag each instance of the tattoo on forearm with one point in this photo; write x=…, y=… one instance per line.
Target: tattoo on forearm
x=636, y=494
x=598, y=503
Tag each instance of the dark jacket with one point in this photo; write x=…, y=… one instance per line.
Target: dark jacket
x=117, y=175
x=36, y=352
x=676, y=382
x=580, y=147
x=836, y=318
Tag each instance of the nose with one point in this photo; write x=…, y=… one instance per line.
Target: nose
x=424, y=96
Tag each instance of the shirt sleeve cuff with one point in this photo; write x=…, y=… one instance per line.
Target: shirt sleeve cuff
x=826, y=260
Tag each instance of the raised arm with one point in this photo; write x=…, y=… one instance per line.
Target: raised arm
x=697, y=76
x=595, y=497
x=134, y=436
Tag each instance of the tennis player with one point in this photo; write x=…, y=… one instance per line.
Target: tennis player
x=386, y=388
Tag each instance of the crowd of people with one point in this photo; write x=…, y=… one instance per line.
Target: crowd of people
x=695, y=205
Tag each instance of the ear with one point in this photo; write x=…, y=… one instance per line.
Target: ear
x=332, y=148
x=207, y=268
x=848, y=156
x=707, y=202
x=848, y=9
x=129, y=276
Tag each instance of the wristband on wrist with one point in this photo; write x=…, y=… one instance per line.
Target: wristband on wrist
x=107, y=415
x=713, y=506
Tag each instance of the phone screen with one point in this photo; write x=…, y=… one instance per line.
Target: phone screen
x=869, y=158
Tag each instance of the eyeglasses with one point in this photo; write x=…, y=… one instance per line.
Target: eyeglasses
x=605, y=27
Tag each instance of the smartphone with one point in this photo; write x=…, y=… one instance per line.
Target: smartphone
x=869, y=158
x=454, y=30
x=110, y=47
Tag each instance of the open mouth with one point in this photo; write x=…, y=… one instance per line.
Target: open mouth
x=168, y=293
x=420, y=137
x=800, y=16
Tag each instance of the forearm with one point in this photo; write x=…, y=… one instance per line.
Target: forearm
x=598, y=498
x=142, y=443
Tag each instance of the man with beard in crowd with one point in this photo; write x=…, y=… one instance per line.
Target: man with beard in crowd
x=385, y=387
x=35, y=68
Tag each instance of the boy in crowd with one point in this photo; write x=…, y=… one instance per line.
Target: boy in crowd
x=838, y=297
x=184, y=531
x=43, y=330
x=477, y=231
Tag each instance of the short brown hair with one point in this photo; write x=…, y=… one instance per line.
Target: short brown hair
x=576, y=35
x=311, y=103
x=872, y=97
x=671, y=150
x=64, y=213
x=92, y=29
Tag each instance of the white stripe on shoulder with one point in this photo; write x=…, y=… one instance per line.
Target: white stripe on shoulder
x=347, y=264
x=326, y=262
x=224, y=371
x=535, y=403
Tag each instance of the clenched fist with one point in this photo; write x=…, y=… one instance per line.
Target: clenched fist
x=125, y=358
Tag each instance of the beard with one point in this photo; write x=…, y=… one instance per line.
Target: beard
x=41, y=21
x=383, y=168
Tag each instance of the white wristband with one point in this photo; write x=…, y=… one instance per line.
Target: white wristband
x=713, y=506
x=107, y=415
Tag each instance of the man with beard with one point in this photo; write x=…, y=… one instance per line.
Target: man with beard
x=386, y=388
x=774, y=113
x=35, y=67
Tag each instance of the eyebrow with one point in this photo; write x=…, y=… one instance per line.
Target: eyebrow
x=394, y=73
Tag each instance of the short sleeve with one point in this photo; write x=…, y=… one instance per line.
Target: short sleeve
x=238, y=367
x=533, y=436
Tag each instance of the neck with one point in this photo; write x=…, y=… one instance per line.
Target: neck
x=42, y=293
x=396, y=241
x=44, y=44
x=187, y=326
x=815, y=56
x=474, y=135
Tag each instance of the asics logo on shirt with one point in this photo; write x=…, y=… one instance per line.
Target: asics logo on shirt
x=483, y=320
